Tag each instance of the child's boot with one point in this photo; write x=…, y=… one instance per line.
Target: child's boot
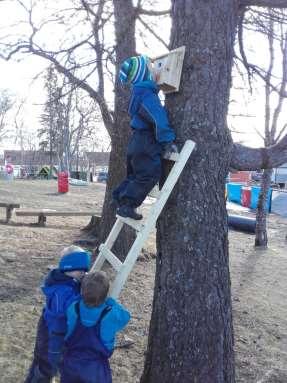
x=128, y=211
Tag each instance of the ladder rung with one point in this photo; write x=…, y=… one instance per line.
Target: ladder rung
x=154, y=193
x=110, y=257
x=138, y=226
x=172, y=157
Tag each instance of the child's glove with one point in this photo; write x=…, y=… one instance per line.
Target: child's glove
x=169, y=148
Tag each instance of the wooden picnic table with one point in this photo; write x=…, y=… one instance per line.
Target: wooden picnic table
x=9, y=209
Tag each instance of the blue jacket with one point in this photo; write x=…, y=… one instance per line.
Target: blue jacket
x=60, y=291
x=146, y=111
x=115, y=320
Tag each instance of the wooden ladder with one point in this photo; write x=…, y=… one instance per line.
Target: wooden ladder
x=143, y=229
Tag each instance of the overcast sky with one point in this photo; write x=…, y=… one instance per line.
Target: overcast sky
x=18, y=77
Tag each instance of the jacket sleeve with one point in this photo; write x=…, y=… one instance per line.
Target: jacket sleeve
x=151, y=106
x=57, y=325
x=115, y=320
x=71, y=320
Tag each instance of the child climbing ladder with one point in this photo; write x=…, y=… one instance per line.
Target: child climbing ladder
x=143, y=228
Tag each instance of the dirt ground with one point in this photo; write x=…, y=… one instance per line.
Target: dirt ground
x=259, y=287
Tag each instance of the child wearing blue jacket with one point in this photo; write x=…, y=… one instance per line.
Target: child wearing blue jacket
x=152, y=136
x=92, y=326
x=61, y=288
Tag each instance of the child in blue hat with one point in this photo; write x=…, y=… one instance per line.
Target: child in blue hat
x=152, y=136
x=92, y=326
x=61, y=288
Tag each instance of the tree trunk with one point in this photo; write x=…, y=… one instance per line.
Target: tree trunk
x=261, y=238
x=125, y=46
x=191, y=334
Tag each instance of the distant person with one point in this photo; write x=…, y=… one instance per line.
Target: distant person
x=152, y=136
x=92, y=326
x=61, y=288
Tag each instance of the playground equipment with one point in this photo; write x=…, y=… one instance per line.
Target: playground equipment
x=143, y=229
x=242, y=223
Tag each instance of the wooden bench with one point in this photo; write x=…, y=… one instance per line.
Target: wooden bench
x=9, y=209
x=42, y=214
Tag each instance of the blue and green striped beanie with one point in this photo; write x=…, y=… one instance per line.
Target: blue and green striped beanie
x=135, y=69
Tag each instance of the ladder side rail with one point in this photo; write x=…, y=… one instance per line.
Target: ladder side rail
x=170, y=183
x=100, y=260
x=114, y=233
x=129, y=262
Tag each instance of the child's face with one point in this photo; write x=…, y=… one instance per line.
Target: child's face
x=77, y=274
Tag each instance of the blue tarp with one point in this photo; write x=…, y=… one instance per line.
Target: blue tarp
x=255, y=191
x=279, y=203
x=234, y=192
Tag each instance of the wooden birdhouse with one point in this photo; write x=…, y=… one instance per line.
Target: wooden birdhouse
x=168, y=69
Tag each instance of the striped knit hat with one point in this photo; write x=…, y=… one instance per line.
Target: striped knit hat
x=135, y=69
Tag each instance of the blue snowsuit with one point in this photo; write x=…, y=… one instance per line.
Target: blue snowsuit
x=60, y=291
x=151, y=131
x=90, y=341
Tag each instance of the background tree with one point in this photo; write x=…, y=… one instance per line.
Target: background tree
x=67, y=121
x=271, y=25
x=6, y=104
x=48, y=133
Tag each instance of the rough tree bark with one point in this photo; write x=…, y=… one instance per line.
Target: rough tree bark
x=191, y=336
x=261, y=238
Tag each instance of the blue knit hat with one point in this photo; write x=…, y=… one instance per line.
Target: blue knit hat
x=135, y=69
x=77, y=260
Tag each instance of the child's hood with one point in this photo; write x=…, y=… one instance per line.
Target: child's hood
x=140, y=90
x=56, y=280
x=90, y=316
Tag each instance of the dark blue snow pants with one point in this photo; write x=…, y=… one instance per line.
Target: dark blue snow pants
x=40, y=370
x=143, y=168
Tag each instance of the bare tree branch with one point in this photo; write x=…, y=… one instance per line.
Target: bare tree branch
x=246, y=158
x=107, y=117
x=241, y=46
x=280, y=133
x=150, y=12
x=268, y=136
x=282, y=88
x=152, y=32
